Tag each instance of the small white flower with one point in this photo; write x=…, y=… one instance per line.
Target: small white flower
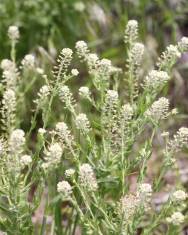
x=41, y=131
x=106, y=63
x=131, y=31
x=82, y=123
x=126, y=112
x=92, y=61
x=44, y=90
x=40, y=70
x=64, y=188
x=145, y=190
x=79, y=6
x=64, y=61
x=62, y=130
x=128, y=206
x=61, y=127
x=180, y=139
x=25, y=160
x=156, y=78
x=179, y=196
x=74, y=72
x=165, y=134
x=28, y=61
x=9, y=107
x=64, y=133
x=42, y=95
x=87, y=177
x=16, y=141
x=52, y=156
x=69, y=173
x=173, y=51
x=174, y=111
x=105, y=68
x=84, y=92
x=159, y=109
x=9, y=99
x=66, y=96
x=7, y=64
x=81, y=49
x=10, y=73
x=176, y=218
x=111, y=96
x=183, y=44
x=13, y=32
x=136, y=54
x=66, y=52
x=169, y=57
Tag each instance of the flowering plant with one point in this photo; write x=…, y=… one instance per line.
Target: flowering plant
x=81, y=164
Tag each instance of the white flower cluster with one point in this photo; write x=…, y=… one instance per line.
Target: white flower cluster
x=13, y=33
x=9, y=101
x=67, y=53
x=179, y=196
x=87, y=177
x=111, y=97
x=69, y=173
x=128, y=206
x=155, y=79
x=136, y=54
x=183, y=44
x=7, y=64
x=84, y=92
x=109, y=118
x=82, y=49
x=64, y=133
x=28, y=61
x=41, y=131
x=10, y=73
x=130, y=203
x=101, y=69
x=169, y=57
x=16, y=141
x=105, y=69
x=159, y=109
x=82, y=123
x=64, y=188
x=64, y=61
x=74, y=72
x=131, y=31
x=8, y=109
x=176, y=218
x=145, y=189
x=52, y=156
x=180, y=139
x=145, y=192
x=92, y=62
x=25, y=160
x=126, y=112
x=66, y=96
x=42, y=95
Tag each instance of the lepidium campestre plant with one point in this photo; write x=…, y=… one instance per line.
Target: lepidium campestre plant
x=75, y=159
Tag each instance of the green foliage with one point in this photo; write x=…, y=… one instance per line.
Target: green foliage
x=101, y=23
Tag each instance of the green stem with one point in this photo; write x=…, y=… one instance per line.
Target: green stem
x=13, y=51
